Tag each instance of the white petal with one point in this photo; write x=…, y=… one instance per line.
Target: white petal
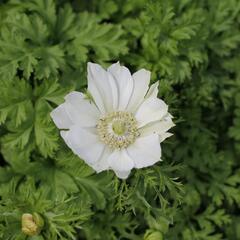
x=102, y=164
x=103, y=88
x=84, y=143
x=80, y=110
x=145, y=151
x=122, y=174
x=163, y=136
x=159, y=127
x=61, y=117
x=120, y=161
x=125, y=84
x=153, y=90
x=141, y=80
x=152, y=109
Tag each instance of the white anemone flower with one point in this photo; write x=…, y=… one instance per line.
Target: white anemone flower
x=121, y=126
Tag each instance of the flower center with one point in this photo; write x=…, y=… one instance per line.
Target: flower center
x=118, y=129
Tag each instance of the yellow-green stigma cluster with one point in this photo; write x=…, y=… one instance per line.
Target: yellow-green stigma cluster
x=118, y=129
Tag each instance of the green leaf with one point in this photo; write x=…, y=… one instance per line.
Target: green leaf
x=51, y=61
x=93, y=189
x=15, y=100
x=104, y=39
x=27, y=65
x=44, y=130
x=50, y=90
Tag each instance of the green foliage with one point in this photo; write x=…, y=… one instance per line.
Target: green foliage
x=192, y=48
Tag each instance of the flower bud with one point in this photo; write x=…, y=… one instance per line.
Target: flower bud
x=32, y=224
x=150, y=235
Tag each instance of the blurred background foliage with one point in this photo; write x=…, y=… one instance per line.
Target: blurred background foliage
x=192, y=49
